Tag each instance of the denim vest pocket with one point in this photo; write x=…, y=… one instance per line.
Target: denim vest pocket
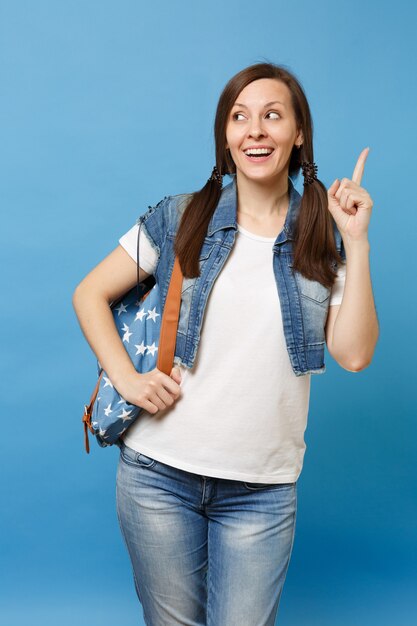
x=311, y=289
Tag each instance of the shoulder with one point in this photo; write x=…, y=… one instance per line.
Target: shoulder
x=180, y=201
x=163, y=217
x=175, y=209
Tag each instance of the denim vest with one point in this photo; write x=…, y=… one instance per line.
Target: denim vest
x=304, y=303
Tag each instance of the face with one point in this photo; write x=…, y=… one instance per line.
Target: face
x=262, y=116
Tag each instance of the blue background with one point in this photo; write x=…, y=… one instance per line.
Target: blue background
x=105, y=109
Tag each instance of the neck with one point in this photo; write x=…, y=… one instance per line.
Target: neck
x=261, y=199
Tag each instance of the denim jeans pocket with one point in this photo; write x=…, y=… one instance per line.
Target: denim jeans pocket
x=259, y=486
x=134, y=458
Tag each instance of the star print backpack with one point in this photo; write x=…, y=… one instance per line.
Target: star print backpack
x=149, y=340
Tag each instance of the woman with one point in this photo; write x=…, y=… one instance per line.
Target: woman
x=207, y=475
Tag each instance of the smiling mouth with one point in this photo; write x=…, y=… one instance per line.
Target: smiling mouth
x=258, y=158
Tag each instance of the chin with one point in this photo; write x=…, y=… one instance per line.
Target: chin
x=261, y=177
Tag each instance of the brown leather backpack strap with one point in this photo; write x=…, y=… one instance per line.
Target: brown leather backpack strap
x=88, y=411
x=169, y=323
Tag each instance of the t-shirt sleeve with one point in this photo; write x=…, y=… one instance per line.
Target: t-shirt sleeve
x=339, y=285
x=148, y=257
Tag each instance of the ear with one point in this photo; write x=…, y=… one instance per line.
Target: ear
x=300, y=138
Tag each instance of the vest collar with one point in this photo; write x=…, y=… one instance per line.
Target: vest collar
x=224, y=215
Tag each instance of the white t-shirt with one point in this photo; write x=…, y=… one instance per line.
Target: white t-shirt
x=243, y=412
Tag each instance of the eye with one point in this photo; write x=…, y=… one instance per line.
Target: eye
x=270, y=112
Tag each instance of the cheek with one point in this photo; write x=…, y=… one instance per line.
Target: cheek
x=284, y=135
x=233, y=138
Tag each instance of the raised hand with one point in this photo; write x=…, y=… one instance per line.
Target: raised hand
x=350, y=204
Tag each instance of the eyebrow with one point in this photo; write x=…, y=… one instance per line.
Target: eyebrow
x=239, y=104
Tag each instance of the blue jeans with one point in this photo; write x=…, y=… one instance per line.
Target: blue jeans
x=204, y=551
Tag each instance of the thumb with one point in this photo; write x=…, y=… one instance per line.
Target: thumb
x=176, y=374
x=334, y=187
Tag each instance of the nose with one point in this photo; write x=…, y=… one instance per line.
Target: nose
x=256, y=129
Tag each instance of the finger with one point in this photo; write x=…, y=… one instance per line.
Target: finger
x=175, y=376
x=359, y=167
x=173, y=383
x=176, y=373
x=348, y=198
x=350, y=203
x=333, y=187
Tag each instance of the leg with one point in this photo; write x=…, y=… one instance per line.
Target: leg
x=166, y=537
x=250, y=539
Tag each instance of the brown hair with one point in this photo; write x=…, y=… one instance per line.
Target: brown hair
x=314, y=246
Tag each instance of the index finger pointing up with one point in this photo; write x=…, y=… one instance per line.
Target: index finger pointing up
x=359, y=167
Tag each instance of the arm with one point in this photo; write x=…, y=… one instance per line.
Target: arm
x=107, y=282
x=352, y=327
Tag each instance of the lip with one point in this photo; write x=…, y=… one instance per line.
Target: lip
x=261, y=145
x=258, y=159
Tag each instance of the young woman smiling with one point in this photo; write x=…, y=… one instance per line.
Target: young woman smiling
x=207, y=475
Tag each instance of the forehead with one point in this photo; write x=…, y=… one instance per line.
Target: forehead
x=263, y=90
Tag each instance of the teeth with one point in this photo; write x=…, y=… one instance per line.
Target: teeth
x=258, y=151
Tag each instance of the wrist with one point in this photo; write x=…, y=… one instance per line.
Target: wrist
x=356, y=245
x=122, y=377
